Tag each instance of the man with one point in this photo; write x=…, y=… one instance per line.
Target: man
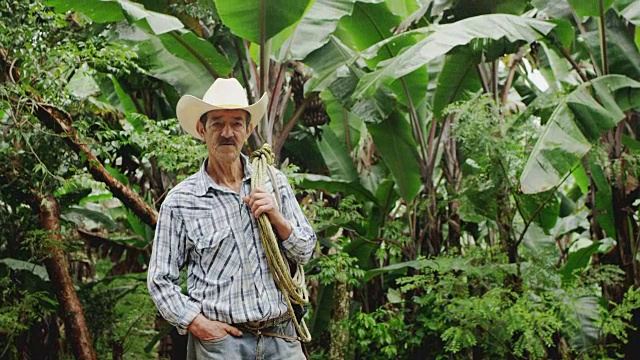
x=208, y=222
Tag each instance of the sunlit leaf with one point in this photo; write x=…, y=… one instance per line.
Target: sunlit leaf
x=82, y=83
x=623, y=56
x=35, y=269
x=313, y=181
x=315, y=27
x=244, y=17
x=445, y=37
x=590, y=7
x=578, y=121
x=580, y=259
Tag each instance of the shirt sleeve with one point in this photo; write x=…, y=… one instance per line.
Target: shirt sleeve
x=163, y=279
x=300, y=244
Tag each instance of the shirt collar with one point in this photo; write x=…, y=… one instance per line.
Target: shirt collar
x=204, y=182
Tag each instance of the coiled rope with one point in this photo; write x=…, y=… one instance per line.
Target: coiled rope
x=293, y=289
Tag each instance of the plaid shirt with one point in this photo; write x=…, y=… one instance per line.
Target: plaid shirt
x=209, y=228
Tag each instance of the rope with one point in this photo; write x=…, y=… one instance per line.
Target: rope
x=293, y=289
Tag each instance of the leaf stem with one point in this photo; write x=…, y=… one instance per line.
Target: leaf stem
x=196, y=54
x=263, y=56
x=603, y=40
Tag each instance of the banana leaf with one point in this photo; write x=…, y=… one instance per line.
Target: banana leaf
x=245, y=17
x=575, y=125
x=443, y=38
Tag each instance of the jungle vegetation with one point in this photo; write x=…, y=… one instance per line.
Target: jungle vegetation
x=470, y=167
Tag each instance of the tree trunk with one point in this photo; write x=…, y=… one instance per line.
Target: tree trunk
x=453, y=174
x=339, y=346
x=71, y=311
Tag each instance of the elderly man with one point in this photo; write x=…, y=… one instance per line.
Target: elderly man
x=208, y=222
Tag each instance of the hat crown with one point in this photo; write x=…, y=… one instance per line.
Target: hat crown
x=226, y=92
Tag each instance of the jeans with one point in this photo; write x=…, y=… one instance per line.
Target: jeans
x=248, y=346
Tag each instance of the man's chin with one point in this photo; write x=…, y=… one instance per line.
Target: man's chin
x=226, y=152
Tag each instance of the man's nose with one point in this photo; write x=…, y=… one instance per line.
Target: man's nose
x=227, y=132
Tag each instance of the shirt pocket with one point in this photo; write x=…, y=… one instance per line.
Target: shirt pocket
x=206, y=233
x=213, y=246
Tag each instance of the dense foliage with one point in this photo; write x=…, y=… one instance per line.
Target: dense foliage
x=470, y=167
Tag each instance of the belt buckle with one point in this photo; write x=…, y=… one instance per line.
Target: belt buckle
x=254, y=324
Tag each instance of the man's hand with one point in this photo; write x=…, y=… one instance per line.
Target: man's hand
x=205, y=329
x=262, y=202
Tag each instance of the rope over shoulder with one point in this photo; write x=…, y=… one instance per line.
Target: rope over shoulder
x=265, y=151
x=294, y=290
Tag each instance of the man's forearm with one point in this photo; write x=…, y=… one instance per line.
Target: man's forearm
x=282, y=227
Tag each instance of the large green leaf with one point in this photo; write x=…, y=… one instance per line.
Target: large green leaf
x=315, y=27
x=344, y=123
x=89, y=219
x=403, y=8
x=35, y=269
x=330, y=62
x=589, y=7
x=588, y=331
x=578, y=121
x=394, y=141
x=415, y=264
x=632, y=13
x=158, y=22
x=557, y=9
x=458, y=77
x=555, y=69
x=445, y=37
x=96, y=10
x=337, y=157
x=190, y=47
x=578, y=260
x=82, y=84
x=604, y=202
x=175, y=65
x=335, y=68
x=623, y=56
x=547, y=216
x=116, y=10
x=371, y=24
x=244, y=17
x=313, y=181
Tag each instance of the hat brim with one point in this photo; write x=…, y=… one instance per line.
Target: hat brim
x=190, y=108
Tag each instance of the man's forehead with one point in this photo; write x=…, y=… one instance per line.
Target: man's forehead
x=228, y=113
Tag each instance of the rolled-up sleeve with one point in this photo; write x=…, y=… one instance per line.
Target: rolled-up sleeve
x=300, y=244
x=163, y=279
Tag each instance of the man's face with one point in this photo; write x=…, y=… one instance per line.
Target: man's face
x=224, y=133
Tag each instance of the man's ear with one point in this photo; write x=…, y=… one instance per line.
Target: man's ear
x=200, y=129
x=249, y=131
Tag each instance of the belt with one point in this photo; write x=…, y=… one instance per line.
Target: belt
x=263, y=324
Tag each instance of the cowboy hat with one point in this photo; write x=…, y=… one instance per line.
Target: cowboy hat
x=224, y=94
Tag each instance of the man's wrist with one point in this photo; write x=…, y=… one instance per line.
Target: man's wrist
x=283, y=228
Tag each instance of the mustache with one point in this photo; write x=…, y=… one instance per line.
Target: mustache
x=225, y=141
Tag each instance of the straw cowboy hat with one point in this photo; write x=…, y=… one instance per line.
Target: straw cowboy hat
x=224, y=94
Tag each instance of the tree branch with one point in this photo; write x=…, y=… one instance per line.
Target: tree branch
x=287, y=128
x=52, y=119
x=512, y=71
x=573, y=63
